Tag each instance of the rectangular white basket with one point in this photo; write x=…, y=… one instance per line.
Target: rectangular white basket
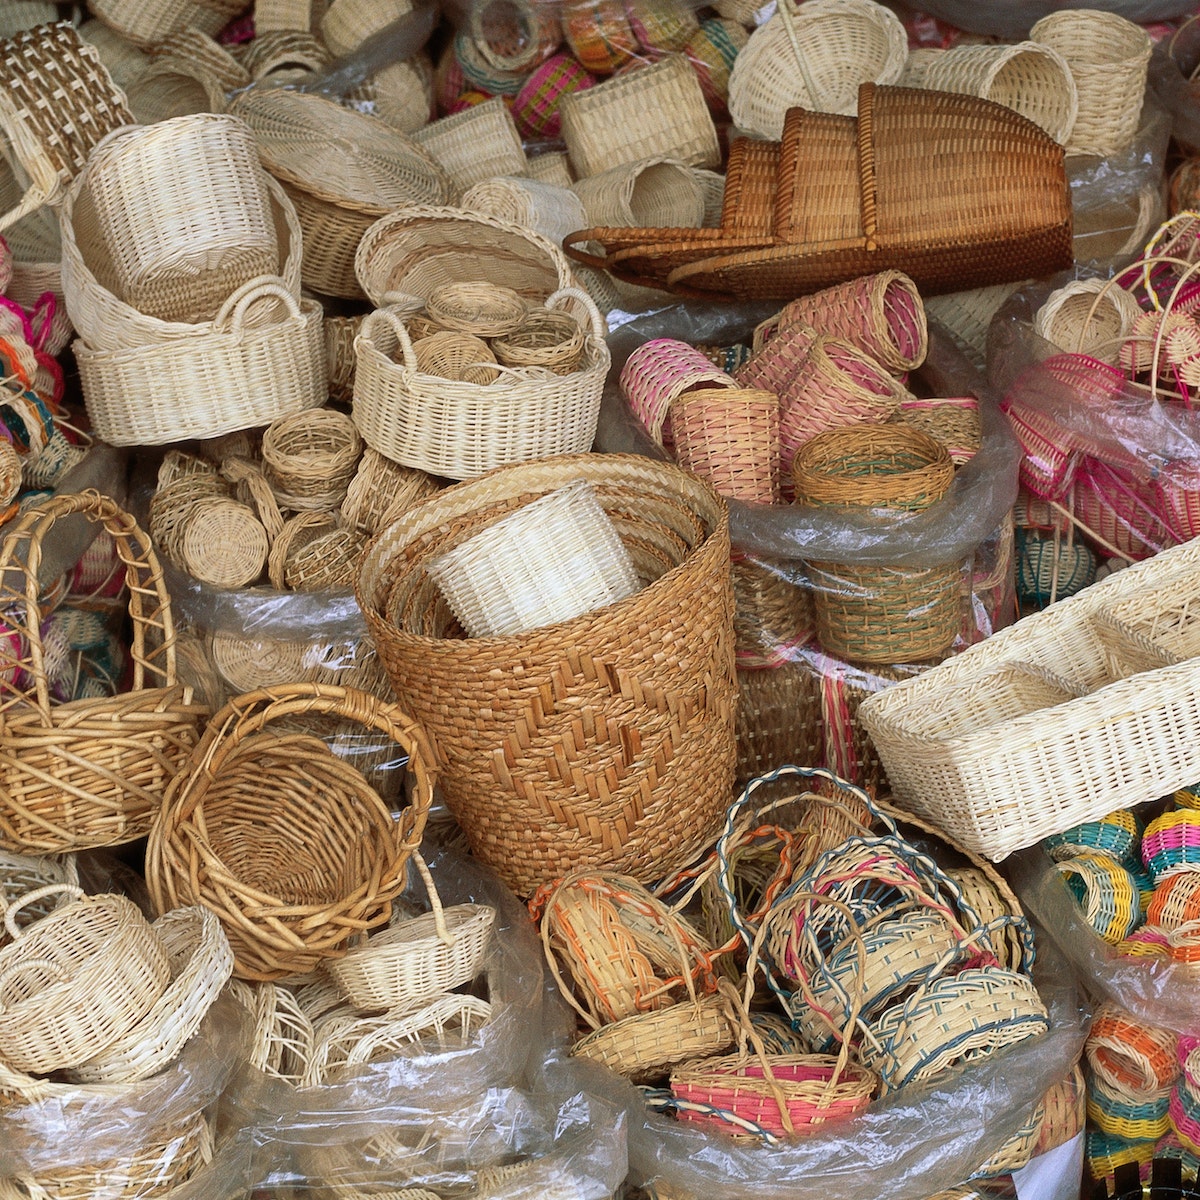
x=1001, y=775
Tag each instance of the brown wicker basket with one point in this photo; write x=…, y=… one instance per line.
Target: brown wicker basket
x=642, y=783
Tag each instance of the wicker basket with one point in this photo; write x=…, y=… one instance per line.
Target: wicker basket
x=515, y=35
x=547, y=207
x=309, y=458
x=147, y=24
x=59, y=102
x=658, y=372
x=122, y=59
x=730, y=436
x=953, y=420
x=476, y=144
x=814, y=57
x=340, y=333
x=656, y=111
x=1088, y=316
x=968, y=315
x=346, y=24
x=650, y=193
x=290, y=826
x=533, y=799
x=88, y=772
x=483, y=309
x=535, y=106
x=1109, y=58
x=712, y=50
x=170, y=87
x=284, y=50
x=460, y=430
x=880, y=614
x=381, y=491
x=221, y=542
x=1106, y=894
x=547, y=338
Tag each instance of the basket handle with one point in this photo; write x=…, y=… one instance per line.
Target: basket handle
x=435, y=901
x=51, y=889
x=571, y=245
x=231, y=316
x=558, y=300
x=7, y=974
x=390, y=315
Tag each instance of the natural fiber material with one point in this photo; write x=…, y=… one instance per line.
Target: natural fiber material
x=953, y=420
x=147, y=24
x=1108, y=57
x=650, y=193
x=170, y=87
x=547, y=206
x=814, y=57
x=59, y=103
x=381, y=490
x=546, y=338
x=87, y=772
x=461, y=357
x=327, y=562
x=598, y=34
x=534, y=800
x=484, y=309
x=535, y=107
x=346, y=24
x=1105, y=892
x=340, y=333
x=300, y=853
x=309, y=458
x=730, y=436
x=712, y=50
x=195, y=47
x=1064, y=1108
x=251, y=488
x=968, y=315
x=284, y=49
x=515, y=35
x=298, y=530
x=658, y=372
x=656, y=111
x=477, y=144
x=1129, y=1055
x=773, y=615
x=1118, y=835
x=122, y=59
x=1088, y=316
x=222, y=542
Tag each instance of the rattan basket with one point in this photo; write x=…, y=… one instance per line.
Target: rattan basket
x=658, y=372
x=24, y=873
x=460, y=429
x=169, y=87
x=1088, y=316
x=309, y=458
x=148, y=22
x=346, y=24
x=547, y=206
x=87, y=772
x=381, y=490
x=663, y=739
x=730, y=436
x=476, y=144
x=650, y=193
x=221, y=542
x=546, y=337
x=289, y=827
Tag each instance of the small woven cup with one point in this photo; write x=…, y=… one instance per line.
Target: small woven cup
x=1088, y=316
x=547, y=562
x=547, y=338
x=479, y=308
x=459, y=356
x=1106, y=894
x=730, y=436
x=310, y=457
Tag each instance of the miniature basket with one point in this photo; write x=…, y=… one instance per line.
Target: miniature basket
x=298, y=531
x=460, y=357
x=785, y=1094
x=656, y=111
x=172, y=504
x=658, y=372
x=381, y=491
x=546, y=338
x=1175, y=902
x=598, y=33
x=650, y=193
x=814, y=57
x=1109, y=58
x=461, y=429
x=730, y=436
x=1028, y=77
x=952, y=420
x=535, y=106
x=1117, y=835
x=1131, y=1115
x=201, y=963
x=262, y=358
x=346, y=24
x=326, y=562
x=476, y=144
x=879, y=614
x=76, y=980
x=221, y=542
x=483, y=309
x=59, y=103
x=309, y=458
x=1129, y=1055
x=340, y=333
x=514, y=35
x=1088, y=316
x=87, y=772
x=551, y=560
x=184, y=209
x=1105, y=892
x=289, y=826
x=1171, y=844
x=481, y=78
x=663, y=746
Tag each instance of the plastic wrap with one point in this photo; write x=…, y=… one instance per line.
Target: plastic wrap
x=1171, y=67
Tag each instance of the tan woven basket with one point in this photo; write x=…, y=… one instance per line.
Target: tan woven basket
x=548, y=207
x=546, y=337
x=58, y=103
x=87, y=772
x=284, y=50
x=24, y=873
x=484, y=309
x=460, y=357
x=1088, y=316
x=221, y=542
x=346, y=24
x=123, y=60
x=340, y=333
x=655, y=111
x=381, y=490
x=652, y=193
x=515, y=35
x=148, y=22
x=460, y=430
x=554, y=167
x=310, y=457
x=730, y=436
x=172, y=87
x=290, y=826
x=476, y=144
x=663, y=741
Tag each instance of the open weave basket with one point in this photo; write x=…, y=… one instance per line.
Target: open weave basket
x=535, y=798
x=88, y=772
x=288, y=844
x=476, y=144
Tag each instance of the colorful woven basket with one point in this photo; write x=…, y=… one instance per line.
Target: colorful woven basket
x=730, y=436
x=1129, y=1055
x=1117, y=835
x=1171, y=844
x=1105, y=892
x=598, y=34
x=658, y=372
x=1137, y=1117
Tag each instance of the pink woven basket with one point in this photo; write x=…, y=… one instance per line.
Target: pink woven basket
x=730, y=436
x=657, y=373
x=535, y=107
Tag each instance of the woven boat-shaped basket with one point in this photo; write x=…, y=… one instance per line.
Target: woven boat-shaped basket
x=460, y=429
x=87, y=772
x=534, y=798
x=299, y=853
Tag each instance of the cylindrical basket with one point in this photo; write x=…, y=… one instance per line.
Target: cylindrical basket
x=309, y=458
x=551, y=209
x=535, y=107
x=640, y=785
x=476, y=144
x=652, y=193
x=658, y=372
x=346, y=24
x=730, y=436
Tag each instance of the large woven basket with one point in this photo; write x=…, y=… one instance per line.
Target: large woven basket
x=651, y=192
x=287, y=843
x=641, y=784
x=460, y=429
x=88, y=772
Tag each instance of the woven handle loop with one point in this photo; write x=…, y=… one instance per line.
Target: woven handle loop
x=391, y=317
x=572, y=243
x=231, y=316
x=558, y=300
x=51, y=889
x=14, y=969
x=435, y=901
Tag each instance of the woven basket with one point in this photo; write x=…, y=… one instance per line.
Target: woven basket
x=483, y=309
x=289, y=826
x=1145, y=631
x=814, y=57
x=460, y=357
x=1064, y=1112
x=656, y=111
x=194, y=47
x=283, y=1037
x=657, y=373
x=1175, y=902
x=346, y=24
x=476, y=144
x=1108, y=57
x=773, y=615
x=514, y=35
x=340, y=333
x=1129, y=1055
x=546, y=338
x=535, y=106
x=147, y=24
x=1133, y=1116
x=730, y=436
x=1028, y=77
x=184, y=210
x=953, y=420
x=712, y=50
x=1088, y=316
x=247, y=369
x=221, y=542
x=1106, y=894
x=664, y=745
x=76, y=980
x=547, y=207
x=650, y=193
x=464, y=429
x=1171, y=844
x=24, y=873
x=170, y=87
x=88, y=772
x=59, y=103
x=381, y=491
x=598, y=33
x=309, y=458
x=968, y=315
x=284, y=50
x=880, y=614
x=1118, y=835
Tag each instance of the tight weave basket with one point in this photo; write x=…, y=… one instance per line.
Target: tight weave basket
x=641, y=785
x=288, y=844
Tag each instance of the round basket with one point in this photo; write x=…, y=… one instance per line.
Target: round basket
x=535, y=107
x=658, y=372
x=170, y=87
x=326, y=562
x=773, y=617
x=75, y=981
x=1088, y=316
x=149, y=24
x=652, y=193
x=814, y=57
x=1135, y=1116
x=283, y=1038
x=879, y=614
x=460, y=357
x=284, y=50
x=546, y=338
x=289, y=826
x=309, y=458
x=730, y=436
x=661, y=24
x=547, y=206
x=1118, y=835
x=346, y=24
x=1128, y=1055
x=483, y=309
x=172, y=504
x=1175, y=902
x=340, y=333
x=1171, y=844
x=87, y=772
x=222, y=542
x=184, y=209
x=1105, y=892
x=1109, y=58
x=514, y=35
x=534, y=798
x=461, y=429
x=381, y=491
x=598, y=33
x=251, y=488
x=478, y=143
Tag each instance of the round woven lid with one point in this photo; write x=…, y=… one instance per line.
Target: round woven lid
x=339, y=155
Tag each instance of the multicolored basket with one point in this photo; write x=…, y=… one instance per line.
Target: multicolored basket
x=1128, y=1055
x=658, y=372
x=1105, y=892
x=1175, y=902
x=1117, y=835
x=1171, y=844
x=598, y=34
x=712, y=51
x=730, y=436
x=1137, y=1117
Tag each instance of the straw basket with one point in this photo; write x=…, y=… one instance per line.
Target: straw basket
x=191, y=46
x=88, y=772
x=262, y=357
x=184, y=210
x=76, y=980
x=460, y=429
x=658, y=372
x=814, y=57
x=170, y=87
x=1088, y=316
x=773, y=613
x=381, y=490
x=656, y=111
x=549, y=208
x=730, y=436
x=340, y=333
x=515, y=35
x=284, y=50
x=298, y=853
x=546, y=338
x=953, y=420
x=147, y=24
x=221, y=542
x=309, y=458
x=476, y=144
x=650, y=193
x=534, y=799
x=24, y=873
x=598, y=33
x=346, y=24
x=1108, y=57
x=968, y=316
x=1028, y=77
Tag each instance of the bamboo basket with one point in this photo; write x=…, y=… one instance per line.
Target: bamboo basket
x=88, y=772
x=460, y=430
x=170, y=87
x=652, y=192
x=1088, y=316
x=476, y=144
x=288, y=825
x=147, y=24
x=664, y=745
x=309, y=458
